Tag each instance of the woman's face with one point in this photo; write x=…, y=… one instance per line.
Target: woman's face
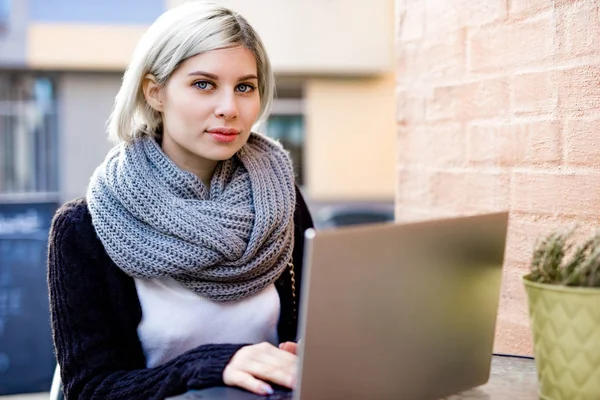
x=208, y=107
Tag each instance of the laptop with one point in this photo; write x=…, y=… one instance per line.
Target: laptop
x=395, y=311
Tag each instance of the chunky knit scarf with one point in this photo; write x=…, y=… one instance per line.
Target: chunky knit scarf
x=225, y=243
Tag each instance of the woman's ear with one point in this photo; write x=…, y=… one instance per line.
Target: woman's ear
x=152, y=92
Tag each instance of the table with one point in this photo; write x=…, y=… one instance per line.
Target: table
x=512, y=378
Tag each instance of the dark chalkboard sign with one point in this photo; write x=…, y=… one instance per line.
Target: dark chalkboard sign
x=26, y=354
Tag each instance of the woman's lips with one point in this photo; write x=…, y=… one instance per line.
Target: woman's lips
x=223, y=135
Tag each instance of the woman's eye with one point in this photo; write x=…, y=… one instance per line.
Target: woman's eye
x=245, y=88
x=204, y=85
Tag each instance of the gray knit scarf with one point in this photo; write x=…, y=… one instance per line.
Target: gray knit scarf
x=225, y=243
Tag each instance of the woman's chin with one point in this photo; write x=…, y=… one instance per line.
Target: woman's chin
x=220, y=154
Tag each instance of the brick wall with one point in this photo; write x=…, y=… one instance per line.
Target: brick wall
x=499, y=107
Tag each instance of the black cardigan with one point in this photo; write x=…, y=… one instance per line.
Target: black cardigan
x=95, y=312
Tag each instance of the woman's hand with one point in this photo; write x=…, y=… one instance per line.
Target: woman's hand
x=252, y=366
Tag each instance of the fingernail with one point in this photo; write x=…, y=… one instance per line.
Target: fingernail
x=267, y=390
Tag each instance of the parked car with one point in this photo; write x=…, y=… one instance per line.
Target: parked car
x=355, y=214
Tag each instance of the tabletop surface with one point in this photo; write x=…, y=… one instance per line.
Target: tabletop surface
x=512, y=378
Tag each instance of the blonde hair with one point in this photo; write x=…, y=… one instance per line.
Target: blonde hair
x=178, y=34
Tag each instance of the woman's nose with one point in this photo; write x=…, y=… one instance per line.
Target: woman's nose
x=226, y=107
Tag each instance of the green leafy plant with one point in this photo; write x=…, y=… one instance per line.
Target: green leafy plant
x=560, y=259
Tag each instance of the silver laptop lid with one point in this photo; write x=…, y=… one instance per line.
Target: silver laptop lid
x=405, y=311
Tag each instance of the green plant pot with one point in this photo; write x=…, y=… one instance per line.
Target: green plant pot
x=565, y=324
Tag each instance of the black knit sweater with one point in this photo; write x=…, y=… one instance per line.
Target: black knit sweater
x=95, y=312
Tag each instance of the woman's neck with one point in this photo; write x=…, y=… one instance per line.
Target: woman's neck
x=186, y=160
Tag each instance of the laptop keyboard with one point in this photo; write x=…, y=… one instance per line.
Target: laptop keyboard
x=281, y=395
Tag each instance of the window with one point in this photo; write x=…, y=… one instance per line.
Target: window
x=28, y=134
x=286, y=124
x=289, y=131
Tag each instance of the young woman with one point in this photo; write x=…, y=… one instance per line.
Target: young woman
x=180, y=269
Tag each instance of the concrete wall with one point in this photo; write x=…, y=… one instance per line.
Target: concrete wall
x=350, y=139
x=351, y=37
x=323, y=37
x=85, y=103
x=83, y=47
x=499, y=108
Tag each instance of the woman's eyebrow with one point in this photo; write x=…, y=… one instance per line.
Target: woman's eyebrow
x=216, y=78
x=206, y=74
x=247, y=77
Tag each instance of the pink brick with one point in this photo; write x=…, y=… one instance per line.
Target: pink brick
x=436, y=60
x=501, y=46
x=414, y=187
x=477, y=100
x=528, y=7
x=471, y=192
x=526, y=229
x=579, y=29
x=477, y=13
x=443, y=16
x=411, y=21
x=513, y=338
x=532, y=143
x=582, y=143
x=403, y=52
x=560, y=3
x=556, y=193
x=578, y=90
x=433, y=145
x=530, y=55
x=534, y=93
x=412, y=213
x=522, y=236
x=513, y=334
x=410, y=108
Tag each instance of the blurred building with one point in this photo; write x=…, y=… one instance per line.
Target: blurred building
x=61, y=63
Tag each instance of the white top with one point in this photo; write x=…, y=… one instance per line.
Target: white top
x=175, y=319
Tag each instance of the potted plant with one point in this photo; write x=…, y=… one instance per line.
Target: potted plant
x=563, y=292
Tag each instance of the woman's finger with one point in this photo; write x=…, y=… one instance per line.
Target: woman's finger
x=261, y=362
x=276, y=355
x=283, y=374
x=237, y=377
x=290, y=347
